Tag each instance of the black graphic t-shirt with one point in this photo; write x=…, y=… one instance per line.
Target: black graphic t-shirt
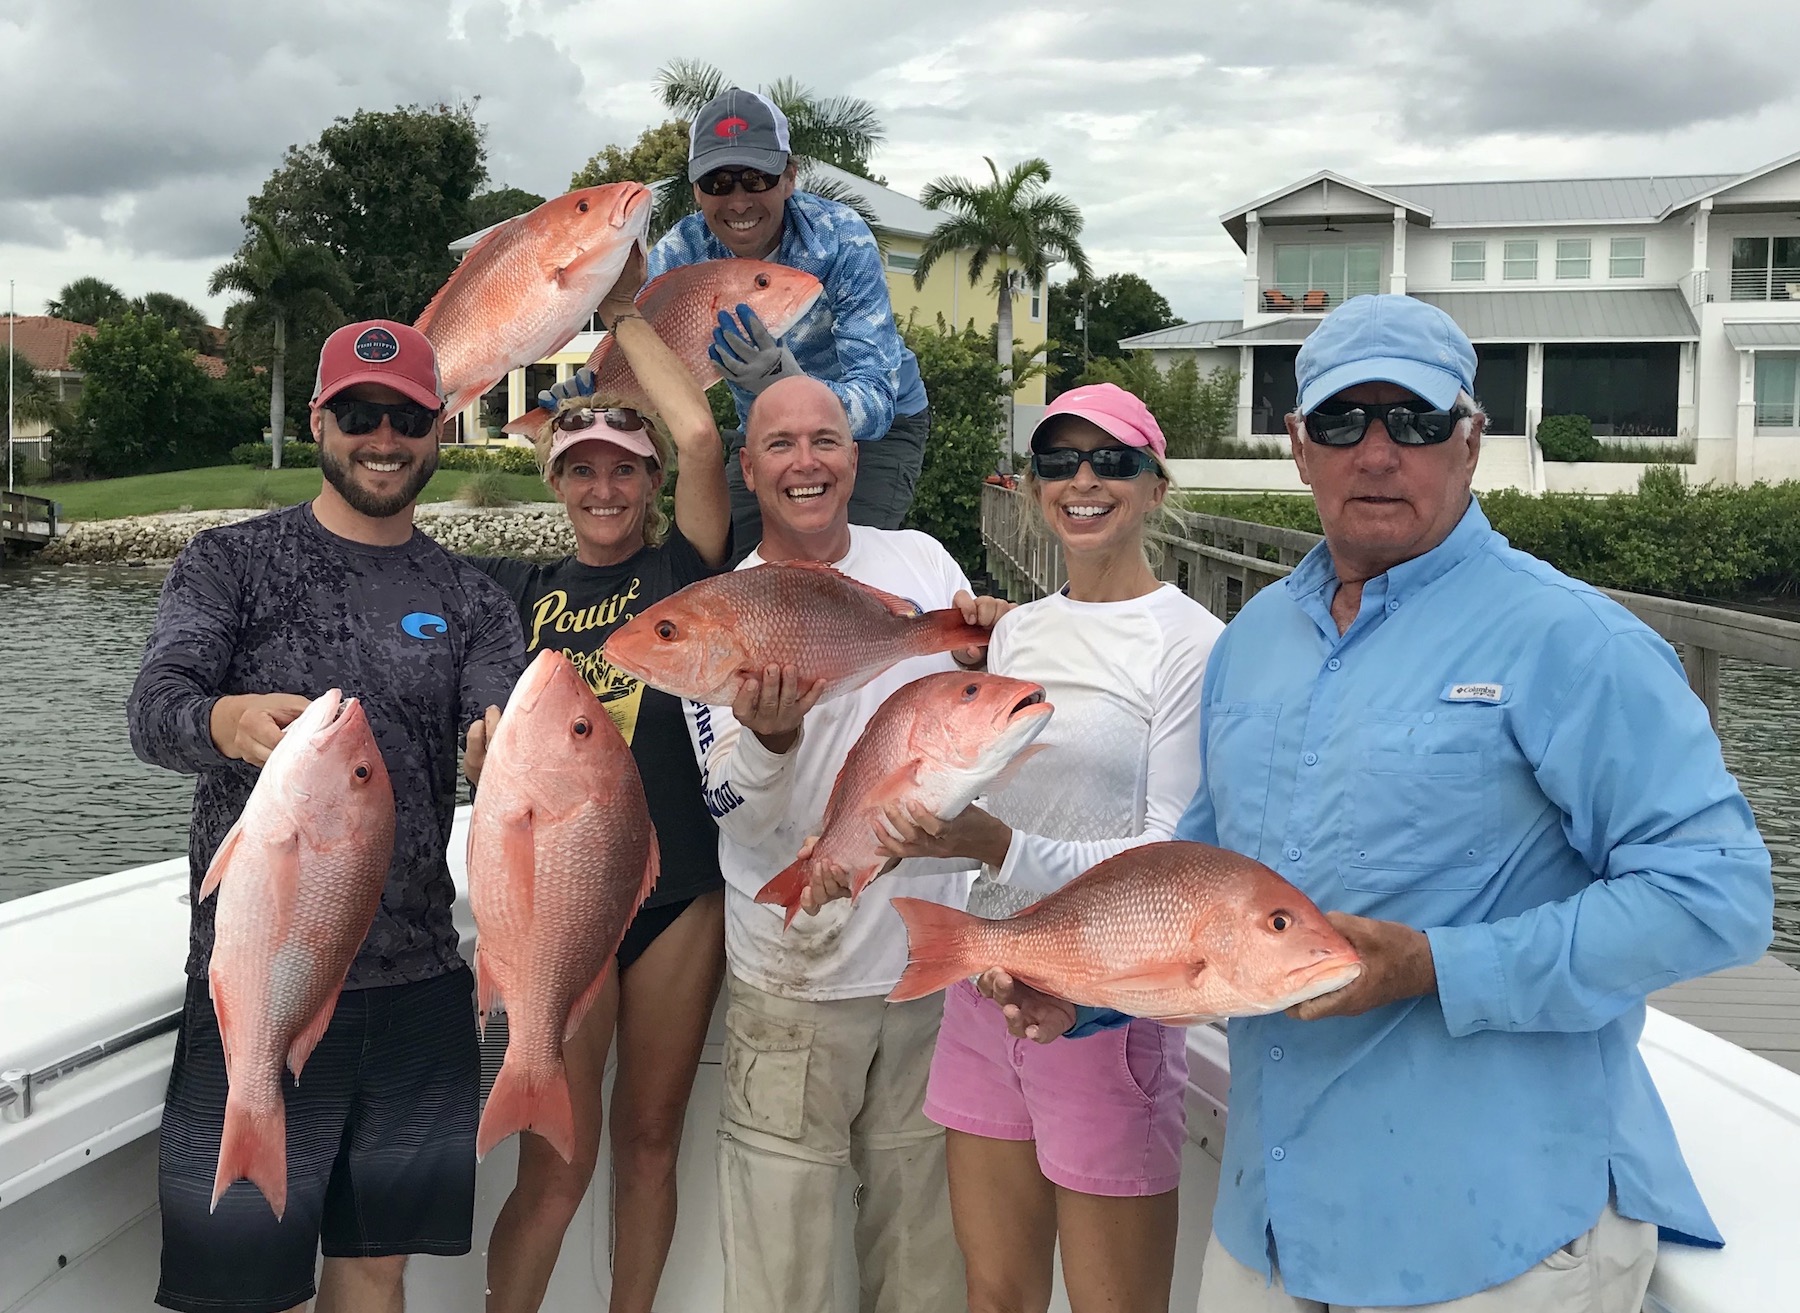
x=573, y=607
x=278, y=604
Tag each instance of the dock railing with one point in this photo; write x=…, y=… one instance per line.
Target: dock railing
x=26, y=522
x=1222, y=563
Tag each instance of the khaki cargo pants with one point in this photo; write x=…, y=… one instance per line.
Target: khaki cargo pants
x=810, y=1089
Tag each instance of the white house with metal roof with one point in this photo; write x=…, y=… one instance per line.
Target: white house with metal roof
x=1660, y=307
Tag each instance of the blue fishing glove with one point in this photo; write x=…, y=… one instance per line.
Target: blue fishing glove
x=578, y=384
x=747, y=353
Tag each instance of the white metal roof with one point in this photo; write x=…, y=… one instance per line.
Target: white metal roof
x=1556, y=200
x=1202, y=332
x=1764, y=336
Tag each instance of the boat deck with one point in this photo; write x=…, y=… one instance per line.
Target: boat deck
x=1756, y=1007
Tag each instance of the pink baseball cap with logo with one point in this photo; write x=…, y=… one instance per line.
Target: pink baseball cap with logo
x=1110, y=408
x=379, y=351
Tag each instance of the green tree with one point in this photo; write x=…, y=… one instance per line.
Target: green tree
x=186, y=318
x=1115, y=307
x=1013, y=223
x=34, y=399
x=387, y=192
x=838, y=130
x=968, y=412
x=281, y=279
x=659, y=152
x=145, y=405
x=1197, y=415
x=492, y=207
x=87, y=301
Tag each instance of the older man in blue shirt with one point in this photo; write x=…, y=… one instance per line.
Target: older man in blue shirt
x=1499, y=785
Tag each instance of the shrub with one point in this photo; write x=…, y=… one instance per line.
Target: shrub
x=30, y=470
x=294, y=455
x=1198, y=415
x=962, y=378
x=486, y=488
x=501, y=460
x=1567, y=437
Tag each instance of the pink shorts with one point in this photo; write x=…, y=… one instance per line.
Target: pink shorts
x=1107, y=1111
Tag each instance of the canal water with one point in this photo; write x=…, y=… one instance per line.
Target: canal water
x=75, y=802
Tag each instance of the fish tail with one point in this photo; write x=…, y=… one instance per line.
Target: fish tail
x=253, y=1148
x=940, y=944
x=785, y=889
x=947, y=631
x=521, y=1102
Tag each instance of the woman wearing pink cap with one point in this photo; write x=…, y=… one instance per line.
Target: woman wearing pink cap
x=607, y=468
x=1077, y=1141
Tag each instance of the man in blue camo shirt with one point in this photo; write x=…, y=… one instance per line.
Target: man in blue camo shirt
x=743, y=179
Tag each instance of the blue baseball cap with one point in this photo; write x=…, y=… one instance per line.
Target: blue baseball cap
x=1386, y=339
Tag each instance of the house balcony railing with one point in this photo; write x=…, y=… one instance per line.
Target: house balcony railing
x=1302, y=298
x=1781, y=283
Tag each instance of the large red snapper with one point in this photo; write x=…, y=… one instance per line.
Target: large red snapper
x=1175, y=932
x=683, y=307
x=530, y=285
x=702, y=642
x=938, y=742
x=299, y=879
x=561, y=855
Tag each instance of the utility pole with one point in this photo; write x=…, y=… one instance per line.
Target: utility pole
x=11, y=321
x=1084, y=327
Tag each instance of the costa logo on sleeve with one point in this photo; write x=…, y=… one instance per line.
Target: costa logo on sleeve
x=377, y=346
x=423, y=624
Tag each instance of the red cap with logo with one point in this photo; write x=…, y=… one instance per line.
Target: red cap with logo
x=379, y=351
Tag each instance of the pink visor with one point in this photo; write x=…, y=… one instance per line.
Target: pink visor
x=603, y=428
x=1111, y=409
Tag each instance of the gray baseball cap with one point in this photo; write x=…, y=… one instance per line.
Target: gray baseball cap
x=737, y=129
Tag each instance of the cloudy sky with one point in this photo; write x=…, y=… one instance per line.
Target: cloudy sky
x=133, y=130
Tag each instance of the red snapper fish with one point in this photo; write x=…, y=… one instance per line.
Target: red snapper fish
x=939, y=742
x=1175, y=932
x=561, y=855
x=299, y=880
x=702, y=642
x=530, y=285
x=683, y=307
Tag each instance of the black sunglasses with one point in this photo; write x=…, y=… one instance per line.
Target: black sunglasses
x=1060, y=463
x=622, y=418
x=722, y=182
x=1344, y=424
x=408, y=418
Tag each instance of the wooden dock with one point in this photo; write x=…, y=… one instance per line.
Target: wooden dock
x=26, y=523
x=1755, y=1007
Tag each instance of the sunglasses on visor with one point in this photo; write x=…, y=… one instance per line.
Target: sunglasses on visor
x=407, y=418
x=622, y=418
x=722, y=182
x=1058, y=463
x=1344, y=424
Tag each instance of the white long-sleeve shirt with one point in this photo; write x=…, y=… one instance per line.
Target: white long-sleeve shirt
x=768, y=803
x=1123, y=747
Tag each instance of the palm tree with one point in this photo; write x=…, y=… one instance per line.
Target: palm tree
x=1016, y=224
x=281, y=279
x=839, y=130
x=35, y=400
x=186, y=319
x=87, y=301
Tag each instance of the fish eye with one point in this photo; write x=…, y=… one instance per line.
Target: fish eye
x=1279, y=921
x=362, y=771
x=582, y=727
x=762, y=280
x=970, y=692
x=582, y=206
x=666, y=629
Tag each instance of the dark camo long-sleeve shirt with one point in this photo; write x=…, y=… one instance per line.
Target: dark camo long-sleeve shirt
x=277, y=604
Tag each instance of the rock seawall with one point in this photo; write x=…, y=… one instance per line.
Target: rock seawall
x=539, y=531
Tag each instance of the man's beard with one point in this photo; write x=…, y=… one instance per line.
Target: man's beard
x=341, y=475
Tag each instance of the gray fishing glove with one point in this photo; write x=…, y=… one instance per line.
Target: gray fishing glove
x=749, y=355
x=578, y=384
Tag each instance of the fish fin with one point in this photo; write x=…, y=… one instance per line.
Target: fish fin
x=652, y=869
x=520, y=1103
x=1153, y=977
x=215, y=870
x=253, y=1148
x=1196, y=1020
x=221, y=1011
x=948, y=630
x=785, y=889
x=896, y=605
x=1010, y=771
x=308, y=1040
x=490, y=989
x=937, y=947
x=528, y=425
x=430, y=312
x=518, y=853
x=579, y=1009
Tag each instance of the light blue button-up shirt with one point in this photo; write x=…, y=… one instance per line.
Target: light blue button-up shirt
x=1505, y=758
x=848, y=339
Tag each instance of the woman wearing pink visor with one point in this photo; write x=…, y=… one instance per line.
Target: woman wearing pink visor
x=607, y=468
x=1077, y=1140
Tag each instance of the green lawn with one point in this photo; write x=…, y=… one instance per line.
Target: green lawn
x=223, y=486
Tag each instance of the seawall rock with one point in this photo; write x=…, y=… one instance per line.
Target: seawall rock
x=539, y=531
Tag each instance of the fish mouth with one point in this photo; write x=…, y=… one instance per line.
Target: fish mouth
x=1322, y=977
x=1025, y=703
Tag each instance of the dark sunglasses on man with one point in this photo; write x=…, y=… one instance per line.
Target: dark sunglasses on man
x=1058, y=463
x=407, y=418
x=722, y=182
x=1346, y=423
x=622, y=418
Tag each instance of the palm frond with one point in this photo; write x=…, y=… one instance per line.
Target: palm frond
x=812, y=180
x=687, y=84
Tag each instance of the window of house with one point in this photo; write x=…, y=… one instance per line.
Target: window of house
x=1765, y=268
x=1519, y=260
x=1037, y=301
x=1627, y=389
x=1468, y=262
x=1318, y=277
x=1574, y=257
x=1626, y=257
x=1777, y=392
x=899, y=262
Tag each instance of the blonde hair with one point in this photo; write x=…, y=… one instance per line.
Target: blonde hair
x=656, y=521
x=1162, y=519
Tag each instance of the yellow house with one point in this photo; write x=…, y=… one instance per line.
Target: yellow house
x=903, y=225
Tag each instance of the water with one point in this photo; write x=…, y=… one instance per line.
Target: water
x=75, y=802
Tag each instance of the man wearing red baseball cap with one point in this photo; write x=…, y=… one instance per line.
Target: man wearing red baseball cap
x=256, y=619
